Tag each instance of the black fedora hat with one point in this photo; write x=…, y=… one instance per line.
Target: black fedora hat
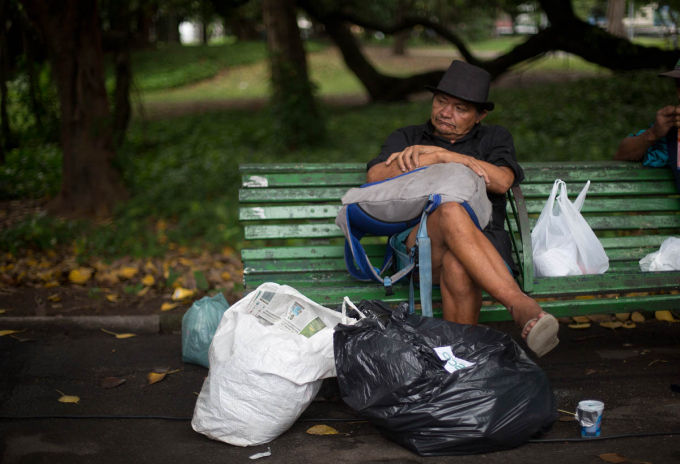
x=675, y=73
x=467, y=82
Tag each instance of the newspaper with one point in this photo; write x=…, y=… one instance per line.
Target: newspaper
x=286, y=311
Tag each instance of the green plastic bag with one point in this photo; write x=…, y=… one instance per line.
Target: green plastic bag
x=199, y=324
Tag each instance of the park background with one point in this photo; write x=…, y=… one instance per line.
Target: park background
x=203, y=98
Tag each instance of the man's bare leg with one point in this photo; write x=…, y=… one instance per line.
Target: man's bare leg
x=452, y=231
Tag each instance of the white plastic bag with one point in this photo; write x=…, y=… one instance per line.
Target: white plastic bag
x=267, y=361
x=562, y=241
x=667, y=258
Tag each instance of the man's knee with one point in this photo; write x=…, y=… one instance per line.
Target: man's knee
x=453, y=216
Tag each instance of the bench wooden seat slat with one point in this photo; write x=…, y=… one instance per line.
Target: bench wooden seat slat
x=288, y=212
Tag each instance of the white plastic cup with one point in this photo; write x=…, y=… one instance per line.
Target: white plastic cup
x=589, y=416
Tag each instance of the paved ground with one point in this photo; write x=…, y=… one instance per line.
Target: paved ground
x=633, y=371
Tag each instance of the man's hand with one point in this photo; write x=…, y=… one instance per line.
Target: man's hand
x=416, y=156
x=409, y=158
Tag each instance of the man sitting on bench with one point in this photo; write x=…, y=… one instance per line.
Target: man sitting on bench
x=466, y=260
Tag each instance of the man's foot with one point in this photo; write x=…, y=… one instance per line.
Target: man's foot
x=540, y=333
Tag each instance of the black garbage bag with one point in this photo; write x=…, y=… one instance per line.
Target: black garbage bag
x=390, y=373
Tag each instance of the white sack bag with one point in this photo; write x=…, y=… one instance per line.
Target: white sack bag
x=667, y=258
x=562, y=241
x=262, y=377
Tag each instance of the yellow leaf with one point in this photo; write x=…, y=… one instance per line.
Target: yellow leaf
x=127, y=272
x=153, y=377
x=3, y=311
x=225, y=275
x=613, y=458
x=622, y=316
x=581, y=319
x=665, y=316
x=107, y=277
x=80, y=275
x=582, y=325
x=611, y=324
x=629, y=325
x=148, y=280
x=55, y=297
x=112, y=297
x=322, y=430
x=637, y=317
x=8, y=332
x=182, y=293
x=186, y=262
x=143, y=291
x=118, y=335
x=64, y=398
x=51, y=284
x=168, y=306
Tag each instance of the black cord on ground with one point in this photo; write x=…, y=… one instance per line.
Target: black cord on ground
x=320, y=419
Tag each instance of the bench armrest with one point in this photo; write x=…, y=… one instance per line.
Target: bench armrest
x=525, y=257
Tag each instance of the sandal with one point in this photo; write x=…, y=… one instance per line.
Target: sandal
x=540, y=333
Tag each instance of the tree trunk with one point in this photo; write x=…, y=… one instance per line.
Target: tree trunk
x=566, y=32
x=293, y=102
x=90, y=184
x=615, y=13
x=6, y=138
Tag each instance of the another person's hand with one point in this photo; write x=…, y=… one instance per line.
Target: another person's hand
x=666, y=117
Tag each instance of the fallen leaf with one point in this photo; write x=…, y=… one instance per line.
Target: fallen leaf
x=168, y=306
x=64, y=398
x=322, y=430
x=600, y=317
x=80, y=275
x=127, y=272
x=629, y=325
x=118, y=335
x=54, y=297
x=637, y=317
x=590, y=371
x=112, y=297
x=583, y=325
x=182, y=293
x=112, y=382
x=148, y=280
x=3, y=311
x=8, y=332
x=613, y=458
x=155, y=376
x=622, y=316
x=665, y=316
x=581, y=319
x=143, y=291
x=611, y=324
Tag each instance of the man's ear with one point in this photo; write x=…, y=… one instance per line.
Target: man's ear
x=481, y=115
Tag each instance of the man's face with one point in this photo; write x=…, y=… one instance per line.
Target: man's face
x=452, y=117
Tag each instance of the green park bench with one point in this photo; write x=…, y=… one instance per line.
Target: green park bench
x=288, y=213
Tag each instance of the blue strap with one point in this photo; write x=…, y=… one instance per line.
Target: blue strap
x=425, y=266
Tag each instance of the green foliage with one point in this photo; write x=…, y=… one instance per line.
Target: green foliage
x=39, y=232
x=582, y=120
x=31, y=171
